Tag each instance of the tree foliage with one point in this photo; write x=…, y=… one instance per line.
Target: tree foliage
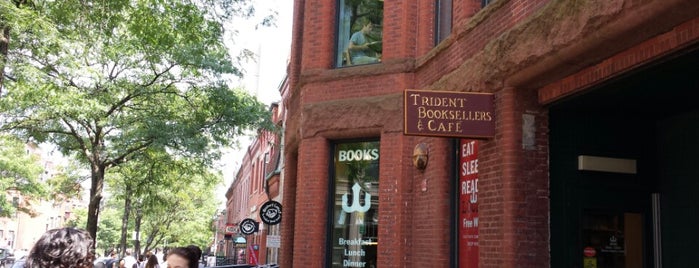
x=164, y=199
x=20, y=170
x=108, y=80
x=109, y=223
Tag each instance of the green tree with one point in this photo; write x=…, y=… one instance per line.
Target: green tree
x=109, y=224
x=152, y=184
x=111, y=79
x=65, y=184
x=19, y=171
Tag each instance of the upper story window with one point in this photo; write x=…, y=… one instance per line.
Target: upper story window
x=360, y=29
x=443, y=16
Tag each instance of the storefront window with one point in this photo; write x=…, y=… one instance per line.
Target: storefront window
x=355, y=218
x=360, y=28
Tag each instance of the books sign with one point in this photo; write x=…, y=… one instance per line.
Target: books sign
x=450, y=114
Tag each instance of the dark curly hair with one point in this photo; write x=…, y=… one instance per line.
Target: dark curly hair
x=62, y=248
x=190, y=253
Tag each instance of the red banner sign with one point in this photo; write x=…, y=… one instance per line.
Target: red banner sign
x=468, y=203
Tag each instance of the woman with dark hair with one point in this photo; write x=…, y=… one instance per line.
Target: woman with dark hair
x=197, y=252
x=152, y=262
x=182, y=257
x=62, y=248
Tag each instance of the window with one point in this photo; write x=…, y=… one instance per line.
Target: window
x=360, y=29
x=442, y=20
x=355, y=206
x=11, y=240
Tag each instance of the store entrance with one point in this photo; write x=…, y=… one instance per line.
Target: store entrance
x=612, y=239
x=623, y=170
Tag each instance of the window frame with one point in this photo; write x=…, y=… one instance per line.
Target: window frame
x=345, y=29
x=332, y=194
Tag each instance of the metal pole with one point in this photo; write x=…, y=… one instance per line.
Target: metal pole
x=657, y=233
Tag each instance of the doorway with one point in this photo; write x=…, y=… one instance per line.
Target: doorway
x=607, y=218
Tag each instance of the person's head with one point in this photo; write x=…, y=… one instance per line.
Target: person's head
x=152, y=261
x=367, y=27
x=182, y=257
x=127, y=252
x=196, y=250
x=62, y=248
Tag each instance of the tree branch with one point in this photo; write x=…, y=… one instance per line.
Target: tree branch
x=158, y=75
x=120, y=159
x=75, y=135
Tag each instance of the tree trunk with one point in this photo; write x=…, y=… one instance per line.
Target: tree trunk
x=4, y=46
x=125, y=220
x=137, y=229
x=151, y=241
x=93, y=210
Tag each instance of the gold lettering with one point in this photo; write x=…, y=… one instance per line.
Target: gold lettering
x=438, y=101
x=441, y=128
x=414, y=96
x=430, y=125
x=421, y=113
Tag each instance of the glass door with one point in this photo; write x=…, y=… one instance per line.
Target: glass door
x=612, y=239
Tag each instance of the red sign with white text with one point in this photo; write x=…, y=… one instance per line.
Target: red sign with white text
x=468, y=203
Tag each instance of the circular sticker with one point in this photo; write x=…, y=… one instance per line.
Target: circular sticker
x=271, y=212
x=589, y=252
x=248, y=226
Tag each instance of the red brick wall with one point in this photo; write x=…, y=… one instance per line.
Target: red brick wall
x=510, y=48
x=319, y=34
x=680, y=37
x=311, y=203
x=429, y=212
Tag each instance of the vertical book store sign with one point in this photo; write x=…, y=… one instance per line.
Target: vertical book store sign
x=449, y=114
x=271, y=212
x=468, y=203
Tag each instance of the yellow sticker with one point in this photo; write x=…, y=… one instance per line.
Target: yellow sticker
x=589, y=262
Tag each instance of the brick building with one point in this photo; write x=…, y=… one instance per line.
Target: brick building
x=256, y=182
x=591, y=160
x=34, y=216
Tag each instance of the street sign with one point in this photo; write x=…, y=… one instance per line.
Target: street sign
x=273, y=241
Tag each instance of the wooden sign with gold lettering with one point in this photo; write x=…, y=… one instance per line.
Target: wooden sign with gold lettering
x=450, y=114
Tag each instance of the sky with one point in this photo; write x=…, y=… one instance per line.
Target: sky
x=263, y=77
